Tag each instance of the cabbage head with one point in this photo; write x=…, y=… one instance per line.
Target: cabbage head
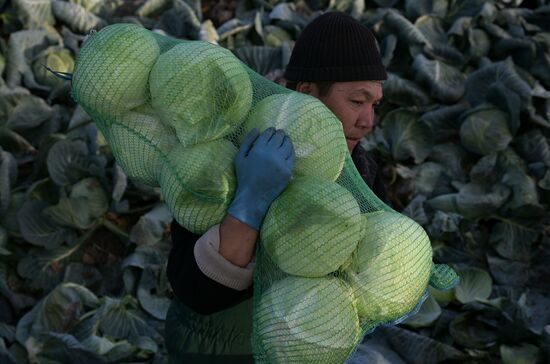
x=307, y=320
x=391, y=267
x=198, y=183
x=140, y=143
x=112, y=69
x=58, y=59
x=200, y=89
x=312, y=228
x=316, y=133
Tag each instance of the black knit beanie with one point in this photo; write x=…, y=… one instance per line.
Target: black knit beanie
x=335, y=47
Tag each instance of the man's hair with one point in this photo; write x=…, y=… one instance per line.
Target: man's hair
x=322, y=86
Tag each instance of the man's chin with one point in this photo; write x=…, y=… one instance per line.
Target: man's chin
x=352, y=143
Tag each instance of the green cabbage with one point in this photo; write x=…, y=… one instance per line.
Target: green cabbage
x=312, y=228
x=392, y=266
x=139, y=142
x=58, y=59
x=307, y=320
x=112, y=69
x=198, y=182
x=202, y=90
x=316, y=134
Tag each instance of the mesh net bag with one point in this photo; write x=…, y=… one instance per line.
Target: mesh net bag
x=333, y=262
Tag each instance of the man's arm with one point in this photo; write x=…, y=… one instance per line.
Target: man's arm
x=212, y=272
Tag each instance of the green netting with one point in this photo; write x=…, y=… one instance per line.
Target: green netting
x=333, y=261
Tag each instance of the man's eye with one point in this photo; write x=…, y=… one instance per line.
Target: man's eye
x=357, y=102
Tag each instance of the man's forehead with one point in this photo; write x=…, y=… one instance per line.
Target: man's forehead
x=372, y=89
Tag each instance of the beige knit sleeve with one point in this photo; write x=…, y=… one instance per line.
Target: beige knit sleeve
x=216, y=267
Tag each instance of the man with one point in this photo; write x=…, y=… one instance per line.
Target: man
x=210, y=321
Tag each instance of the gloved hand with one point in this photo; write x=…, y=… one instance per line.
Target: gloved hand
x=263, y=167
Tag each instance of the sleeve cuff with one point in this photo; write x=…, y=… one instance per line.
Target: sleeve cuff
x=216, y=267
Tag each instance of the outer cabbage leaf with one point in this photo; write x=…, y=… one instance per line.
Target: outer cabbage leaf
x=312, y=228
x=307, y=320
x=485, y=130
x=407, y=136
x=445, y=82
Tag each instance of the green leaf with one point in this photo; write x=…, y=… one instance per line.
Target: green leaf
x=474, y=284
x=71, y=213
x=533, y=147
x=472, y=333
x=513, y=240
x=120, y=183
x=98, y=345
x=403, y=92
x=432, y=28
x=8, y=176
x=533, y=310
x=18, y=301
x=90, y=190
x=5, y=356
x=40, y=230
x=261, y=59
x=429, y=312
x=508, y=272
x=69, y=162
x=508, y=101
x=407, y=135
x=76, y=17
x=153, y=7
x=63, y=348
x=524, y=189
x=453, y=156
x=24, y=45
x=154, y=305
x=443, y=298
x=406, y=30
x=545, y=182
x=444, y=222
x=4, y=242
x=58, y=59
x=479, y=43
x=120, y=319
x=417, y=348
x=181, y=21
x=417, y=8
x=485, y=130
x=9, y=220
x=522, y=50
x=479, y=82
x=478, y=200
x=427, y=176
x=7, y=331
x=444, y=121
x=151, y=227
x=34, y=14
x=524, y=354
x=415, y=210
x=57, y=312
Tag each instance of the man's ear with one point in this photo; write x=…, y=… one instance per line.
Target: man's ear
x=304, y=87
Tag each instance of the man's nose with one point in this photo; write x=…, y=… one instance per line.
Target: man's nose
x=366, y=118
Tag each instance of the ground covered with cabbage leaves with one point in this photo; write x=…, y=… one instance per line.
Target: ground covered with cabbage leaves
x=464, y=132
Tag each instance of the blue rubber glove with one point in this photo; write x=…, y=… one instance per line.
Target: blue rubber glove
x=263, y=167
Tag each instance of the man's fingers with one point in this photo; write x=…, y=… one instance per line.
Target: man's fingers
x=265, y=136
x=288, y=148
x=248, y=141
x=277, y=139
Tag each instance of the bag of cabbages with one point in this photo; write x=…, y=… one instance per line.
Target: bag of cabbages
x=333, y=261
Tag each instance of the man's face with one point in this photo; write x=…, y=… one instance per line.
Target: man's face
x=353, y=103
